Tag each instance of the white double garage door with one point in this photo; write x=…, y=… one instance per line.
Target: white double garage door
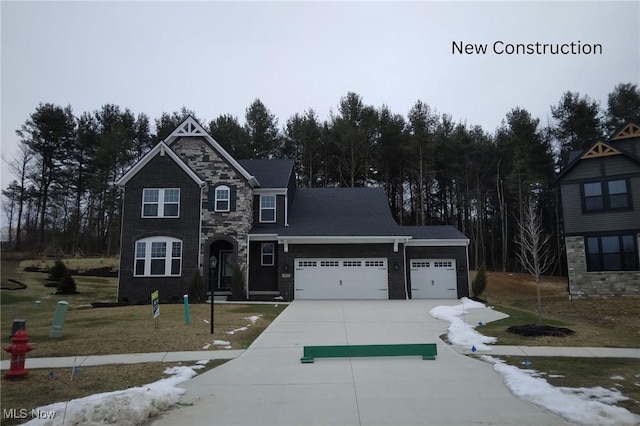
x=368, y=278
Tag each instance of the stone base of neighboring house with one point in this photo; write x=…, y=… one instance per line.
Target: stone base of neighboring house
x=597, y=284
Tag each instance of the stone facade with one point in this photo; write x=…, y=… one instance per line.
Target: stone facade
x=607, y=283
x=200, y=156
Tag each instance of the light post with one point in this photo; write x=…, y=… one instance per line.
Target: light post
x=213, y=262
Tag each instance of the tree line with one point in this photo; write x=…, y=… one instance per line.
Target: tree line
x=435, y=170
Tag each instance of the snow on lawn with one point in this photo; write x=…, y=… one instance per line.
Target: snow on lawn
x=461, y=333
x=132, y=406
x=587, y=406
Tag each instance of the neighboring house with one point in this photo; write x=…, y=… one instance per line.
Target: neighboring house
x=189, y=205
x=601, y=207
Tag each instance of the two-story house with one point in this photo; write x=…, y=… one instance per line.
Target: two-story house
x=188, y=205
x=600, y=189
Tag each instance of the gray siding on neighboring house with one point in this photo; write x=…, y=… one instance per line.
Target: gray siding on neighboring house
x=286, y=267
x=160, y=172
x=280, y=206
x=212, y=168
x=457, y=253
x=575, y=222
x=628, y=145
x=585, y=169
x=620, y=165
x=262, y=278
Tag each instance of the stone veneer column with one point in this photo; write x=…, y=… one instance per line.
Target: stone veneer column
x=214, y=170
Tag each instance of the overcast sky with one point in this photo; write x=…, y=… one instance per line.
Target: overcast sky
x=216, y=58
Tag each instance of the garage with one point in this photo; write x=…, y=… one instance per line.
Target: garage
x=341, y=278
x=433, y=279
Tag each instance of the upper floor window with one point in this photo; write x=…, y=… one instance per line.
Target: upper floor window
x=605, y=195
x=160, y=202
x=158, y=256
x=222, y=198
x=268, y=208
x=611, y=253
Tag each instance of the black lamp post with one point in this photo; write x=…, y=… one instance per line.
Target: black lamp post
x=213, y=262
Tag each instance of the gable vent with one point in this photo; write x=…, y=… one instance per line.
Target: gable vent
x=189, y=129
x=600, y=149
x=630, y=131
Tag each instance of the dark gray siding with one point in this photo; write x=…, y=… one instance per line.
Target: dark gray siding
x=576, y=223
x=279, y=212
x=286, y=283
x=585, y=169
x=262, y=278
x=457, y=253
x=629, y=145
x=160, y=172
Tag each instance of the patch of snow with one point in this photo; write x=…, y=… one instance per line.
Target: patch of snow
x=207, y=321
x=132, y=406
x=587, y=406
x=196, y=367
x=221, y=343
x=461, y=333
x=231, y=332
x=278, y=298
x=238, y=329
x=207, y=346
x=253, y=318
x=617, y=378
x=555, y=376
x=227, y=347
x=203, y=362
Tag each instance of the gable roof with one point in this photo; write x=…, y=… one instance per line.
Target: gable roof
x=191, y=128
x=272, y=173
x=162, y=149
x=603, y=149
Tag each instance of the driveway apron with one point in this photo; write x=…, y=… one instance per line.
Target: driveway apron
x=267, y=385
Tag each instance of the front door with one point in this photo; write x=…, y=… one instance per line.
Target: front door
x=225, y=269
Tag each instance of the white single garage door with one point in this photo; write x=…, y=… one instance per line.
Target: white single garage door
x=341, y=279
x=433, y=279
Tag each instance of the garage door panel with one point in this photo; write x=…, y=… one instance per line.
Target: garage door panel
x=341, y=279
x=433, y=279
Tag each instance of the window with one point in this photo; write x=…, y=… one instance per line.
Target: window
x=268, y=208
x=222, y=198
x=160, y=202
x=605, y=195
x=267, y=254
x=158, y=256
x=611, y=253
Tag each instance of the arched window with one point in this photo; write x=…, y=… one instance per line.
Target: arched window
x=158, y=256
x=222, y=198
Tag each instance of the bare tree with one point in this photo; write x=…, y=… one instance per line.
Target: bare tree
x=535, y=253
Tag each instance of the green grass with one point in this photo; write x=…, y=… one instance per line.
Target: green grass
x=588, y=373
x=516, y=317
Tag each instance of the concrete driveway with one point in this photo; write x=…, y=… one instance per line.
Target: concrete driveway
x=267, y=385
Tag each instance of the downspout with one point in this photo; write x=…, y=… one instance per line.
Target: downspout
x=248, y=269
x=466, y=248
x=286, y=207
x=120, y=254
x=404, y=259
x=200, y=247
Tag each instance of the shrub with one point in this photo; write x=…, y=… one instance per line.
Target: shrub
x=479, y=282
x=238, y=281
x=67, y=284
x=196, y=286
x=58, y=270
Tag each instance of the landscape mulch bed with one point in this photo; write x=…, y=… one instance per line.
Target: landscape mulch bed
x=534, y=330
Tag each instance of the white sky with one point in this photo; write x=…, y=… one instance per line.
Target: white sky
x=216, y=57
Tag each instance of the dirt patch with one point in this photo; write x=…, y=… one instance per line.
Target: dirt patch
x=536, y=330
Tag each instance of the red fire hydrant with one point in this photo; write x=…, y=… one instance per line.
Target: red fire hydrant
x=18, y=351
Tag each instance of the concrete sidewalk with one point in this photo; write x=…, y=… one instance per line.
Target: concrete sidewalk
x=92, y=360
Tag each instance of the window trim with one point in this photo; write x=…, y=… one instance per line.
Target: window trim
x=216, y=198
x=274, y=208
x=263, y=254
x=634, y=266
x=160, y=203
x=606, y=196
x=147, y=256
